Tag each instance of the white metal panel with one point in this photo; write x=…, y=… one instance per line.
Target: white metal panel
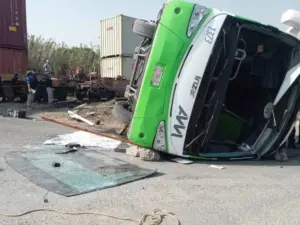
x=192, y=71
x=111, y=36
x=127, y=63
x=129, y=39
x=116, y=66
x=111, y=67
x=117, y=37
x=288, y=81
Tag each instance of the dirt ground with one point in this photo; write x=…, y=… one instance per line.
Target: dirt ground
x=99, y=113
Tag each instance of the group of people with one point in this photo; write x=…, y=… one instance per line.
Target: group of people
x=33, y=82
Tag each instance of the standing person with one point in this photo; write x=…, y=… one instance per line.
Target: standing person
x=14, y=82
x=71, y=75
x=1, y=89
x=15, y=79
x=32, y=83
x=49, y=88
x=47, y=68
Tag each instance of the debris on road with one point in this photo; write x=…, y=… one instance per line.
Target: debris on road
x=80, y=106
x=123, y=129
x=84, y=139
x=73, y=145
x=120, y=150
x=86, y=171
x=133, y=151
x=182, y=160
x=122, y=147
x=217, y=167
x=90, y=113
x=56, y=164
x=16, y=113
x=73, y=115
x=68, y=151
x=149, y=155
x=96, y=114
x=144, y=154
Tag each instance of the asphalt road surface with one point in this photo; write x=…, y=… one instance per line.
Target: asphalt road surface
x=247, y=192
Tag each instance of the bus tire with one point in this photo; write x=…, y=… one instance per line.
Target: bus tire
x=121, y=112
x=143, y=28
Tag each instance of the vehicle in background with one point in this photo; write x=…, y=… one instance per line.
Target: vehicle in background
x=12, y=90
x=97, y=88
x=13, y=48
x=213, y=85
x=93, y=89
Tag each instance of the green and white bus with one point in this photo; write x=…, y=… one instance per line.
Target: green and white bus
x=210, y=84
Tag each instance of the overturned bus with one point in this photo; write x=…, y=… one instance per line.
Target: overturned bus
x=209, y=84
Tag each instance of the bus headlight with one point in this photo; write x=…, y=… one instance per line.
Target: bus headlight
x=199, y=12
x=158, y=72
x=160, y=138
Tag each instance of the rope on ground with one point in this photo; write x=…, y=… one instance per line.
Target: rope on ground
x=149, y=219
x=157, y=218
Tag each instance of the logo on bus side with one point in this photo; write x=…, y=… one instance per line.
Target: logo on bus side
x=181, y=117
x=195, y=86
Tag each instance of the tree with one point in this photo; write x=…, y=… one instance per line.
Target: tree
x=62, y=57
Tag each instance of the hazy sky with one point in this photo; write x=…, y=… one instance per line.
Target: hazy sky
x=77, y=21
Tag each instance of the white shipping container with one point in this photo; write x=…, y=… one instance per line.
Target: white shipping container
x=117, y=37
x=116, y=66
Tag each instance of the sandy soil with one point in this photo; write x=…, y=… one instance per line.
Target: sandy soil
x=96, y=112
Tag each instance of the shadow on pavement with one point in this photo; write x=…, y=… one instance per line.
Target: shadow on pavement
x=293, y=155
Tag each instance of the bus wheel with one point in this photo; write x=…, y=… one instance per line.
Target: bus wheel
x=143, y=28
x=121, y=112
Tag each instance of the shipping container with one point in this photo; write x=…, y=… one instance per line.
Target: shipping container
x=117, y=37
x=12, y=61
x=13, y=27
x=116, y=66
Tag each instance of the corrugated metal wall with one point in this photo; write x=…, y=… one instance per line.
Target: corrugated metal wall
x=117, y=37
x=13, y=38
x=127, y=63
x=129, y=39
x=116, y=66
x=111, y=36
x=13, y=27
x=12, y=61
